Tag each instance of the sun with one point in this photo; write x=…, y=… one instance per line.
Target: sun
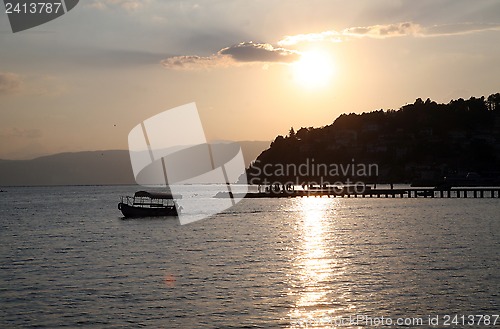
x=314, y=69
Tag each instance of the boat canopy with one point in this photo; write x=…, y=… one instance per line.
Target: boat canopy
x=156, y=195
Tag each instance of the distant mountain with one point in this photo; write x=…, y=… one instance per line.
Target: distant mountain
x=87, y=168
x=421, y=143
x=80, y=168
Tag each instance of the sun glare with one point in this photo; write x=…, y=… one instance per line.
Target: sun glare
x=314, y=69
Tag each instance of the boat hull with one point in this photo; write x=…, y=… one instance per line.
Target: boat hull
x=137, y=212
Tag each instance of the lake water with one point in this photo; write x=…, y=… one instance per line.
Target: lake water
x=68, y=259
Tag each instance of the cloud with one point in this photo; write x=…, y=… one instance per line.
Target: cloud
x=196, y=62
x=374, y=31
x=10, y=83
x=384, y=31
x=245, y=52
x=260, y=52
x=250, y=52
x=388, y=31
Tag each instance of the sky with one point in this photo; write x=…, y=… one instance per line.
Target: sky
x=254, y=68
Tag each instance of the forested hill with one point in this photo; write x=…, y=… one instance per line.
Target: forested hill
x=420, y=142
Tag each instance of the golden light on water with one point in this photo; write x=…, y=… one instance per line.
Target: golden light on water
x=317, y=267
x=313, y=270
x=315, y=69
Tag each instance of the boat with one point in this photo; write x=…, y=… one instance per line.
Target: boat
x=149, y=204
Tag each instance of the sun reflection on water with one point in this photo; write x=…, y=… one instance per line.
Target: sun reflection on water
x=318, y=268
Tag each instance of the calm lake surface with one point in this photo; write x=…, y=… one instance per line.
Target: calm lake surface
x=68, y=259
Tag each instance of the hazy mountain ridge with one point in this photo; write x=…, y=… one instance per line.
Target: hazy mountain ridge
x=111, y=167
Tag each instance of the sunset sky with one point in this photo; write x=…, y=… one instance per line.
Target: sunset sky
x=254, y=68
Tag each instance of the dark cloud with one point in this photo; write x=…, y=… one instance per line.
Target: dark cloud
x=245, y=52
x=260, y=52
x=9, y=83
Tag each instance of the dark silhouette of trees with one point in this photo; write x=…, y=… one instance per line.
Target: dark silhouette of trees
x=493, y=102
x=421, y=139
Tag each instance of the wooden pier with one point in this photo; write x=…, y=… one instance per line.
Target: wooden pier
x=477, y=192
